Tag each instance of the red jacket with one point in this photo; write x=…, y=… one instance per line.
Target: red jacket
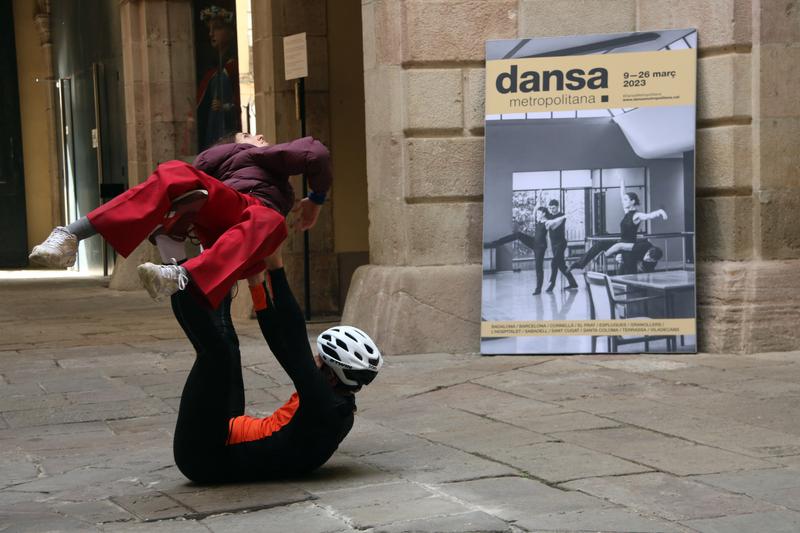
x=263, y=171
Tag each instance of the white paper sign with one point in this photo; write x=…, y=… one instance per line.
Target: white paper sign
x=295, y=56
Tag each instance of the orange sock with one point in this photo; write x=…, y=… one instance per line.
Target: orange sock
x=259, y=297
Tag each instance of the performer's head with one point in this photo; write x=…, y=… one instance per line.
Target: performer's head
x=349, y=357
x=221, y=29
x=651, y=258
x=541, y=213
x=552, y=205
x=630, y=200
x=249, y=138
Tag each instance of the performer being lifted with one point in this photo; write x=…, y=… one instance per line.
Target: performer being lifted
x=238, y=194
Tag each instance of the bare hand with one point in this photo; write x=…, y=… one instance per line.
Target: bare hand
x=663, y=214
x=307, y=213
x=216, y=104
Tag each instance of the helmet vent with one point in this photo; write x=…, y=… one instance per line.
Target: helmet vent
x=373, y=362
x=330, y=352
x=341, y=344
x=327, y=337
x=358, y=355
x=348, y=334
x=369, y=349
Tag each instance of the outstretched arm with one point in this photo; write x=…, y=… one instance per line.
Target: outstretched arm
x=555, y=222
x=641, y=217
x=619, y=247
x=622, y=190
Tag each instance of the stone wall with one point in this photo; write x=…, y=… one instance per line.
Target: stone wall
x=159, y=84
x=277, y=121
x=424, y=105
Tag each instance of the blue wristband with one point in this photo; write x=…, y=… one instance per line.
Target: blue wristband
x=317, y=197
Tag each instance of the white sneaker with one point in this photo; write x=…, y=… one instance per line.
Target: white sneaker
x=162, y=280
x=58, y=250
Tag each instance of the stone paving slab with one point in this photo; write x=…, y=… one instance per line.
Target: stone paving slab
x=297, y=518
x=557, y=462
x=713, y=431
x=780, y=486
x=609, y=520
x=152, y=506
x=774, y=522
x=376, y=505
x=436, y=463
x=516, y=498
x=662, y=452
x=342, y=472
x=236, y=497
x=473, y=522
x=86, y=412
x=669, y=497
x=90, y=381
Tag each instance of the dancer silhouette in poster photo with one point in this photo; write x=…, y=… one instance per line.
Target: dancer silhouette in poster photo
x=628, y=229
x=642, y=259
x=558, y=247
x=536, y=242
x=214, y=440
x=236, y=195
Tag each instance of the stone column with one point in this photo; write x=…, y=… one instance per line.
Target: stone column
x=747, y=168
x=424, y=122
x=277, y=121
x=160, y=88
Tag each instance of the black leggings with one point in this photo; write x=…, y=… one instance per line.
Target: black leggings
x=591, y=253
x=214, y=389
x=538, y=252
x=559, y=263
x=214, y=394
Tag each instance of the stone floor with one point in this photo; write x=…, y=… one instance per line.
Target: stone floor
x=90, y=380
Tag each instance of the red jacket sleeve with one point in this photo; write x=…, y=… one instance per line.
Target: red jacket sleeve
x=302, y=156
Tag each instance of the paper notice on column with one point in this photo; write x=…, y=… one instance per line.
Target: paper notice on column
x=588, y=204
x=295, y=56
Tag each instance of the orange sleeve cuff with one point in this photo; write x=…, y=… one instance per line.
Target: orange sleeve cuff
x=259, y=296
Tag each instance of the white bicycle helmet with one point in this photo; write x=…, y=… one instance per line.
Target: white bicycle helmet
x=351, y=354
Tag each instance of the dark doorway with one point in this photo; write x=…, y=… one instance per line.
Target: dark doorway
x=13, y=228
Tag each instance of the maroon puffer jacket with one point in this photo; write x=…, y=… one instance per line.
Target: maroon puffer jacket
x=263, y=171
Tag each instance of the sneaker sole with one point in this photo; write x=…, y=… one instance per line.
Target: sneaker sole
x=149, y=279
x=51, y=260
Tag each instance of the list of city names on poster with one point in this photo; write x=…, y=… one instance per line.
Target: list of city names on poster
x=542, y=328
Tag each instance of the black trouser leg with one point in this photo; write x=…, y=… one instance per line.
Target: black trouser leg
x=511, y=237
x=594, y=251
x=284, y=328
x=538, y=253
x=559, y=264
x=213, y=392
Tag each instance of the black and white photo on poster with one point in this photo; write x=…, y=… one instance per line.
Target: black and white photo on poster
x=588, y=243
